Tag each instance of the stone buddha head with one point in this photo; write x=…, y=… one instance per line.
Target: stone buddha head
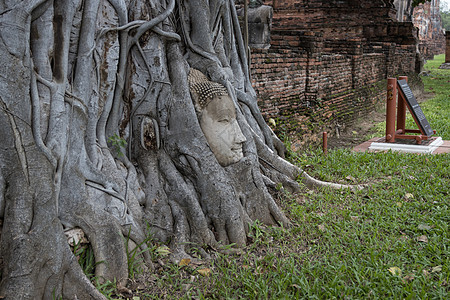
x=217, y=117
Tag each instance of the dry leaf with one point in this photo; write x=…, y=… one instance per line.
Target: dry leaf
x=425, y=273
x=75, y=236
x=424, y=227
x=354, y=218
x=204, y=272
x=395, y=271
x=184, y=262
x=436, y=269
x=404, y=237
x=300, y=200
x=161, y=263
x=321, y=227
x=186, y=287
x=408, y=196
x=125, y=292
x=408, y=278
x=422, y=238
x=350, y=178
x=272, y=122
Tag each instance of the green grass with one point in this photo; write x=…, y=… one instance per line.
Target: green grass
x=344, y=244
x=437, y=110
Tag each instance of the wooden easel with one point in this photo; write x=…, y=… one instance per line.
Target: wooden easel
x=405, y=99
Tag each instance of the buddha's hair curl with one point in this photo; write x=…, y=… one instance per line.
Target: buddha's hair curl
x=202, y=90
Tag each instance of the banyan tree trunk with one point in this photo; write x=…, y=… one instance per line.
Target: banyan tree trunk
x=100, y=131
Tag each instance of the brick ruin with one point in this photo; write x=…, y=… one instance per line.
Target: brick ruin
x=447, y=47
x=405, y=10
x=427, y=19
x=328, y=62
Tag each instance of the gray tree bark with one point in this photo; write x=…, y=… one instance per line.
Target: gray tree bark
x=78, y=77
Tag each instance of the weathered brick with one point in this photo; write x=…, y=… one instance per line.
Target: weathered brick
x=329, y=61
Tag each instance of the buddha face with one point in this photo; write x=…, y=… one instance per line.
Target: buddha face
x=222, y=131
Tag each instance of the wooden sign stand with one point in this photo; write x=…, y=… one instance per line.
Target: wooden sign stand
x=405, y=99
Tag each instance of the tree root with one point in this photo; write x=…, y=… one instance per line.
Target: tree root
x=292, y=172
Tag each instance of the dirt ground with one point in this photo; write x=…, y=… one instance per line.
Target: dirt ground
x=355, y=134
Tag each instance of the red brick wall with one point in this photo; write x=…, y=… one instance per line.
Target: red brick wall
x=427, y=19
x=329, y=14
x=307, y=93
x=279, y=79
x=328, y=62
x=447, y=47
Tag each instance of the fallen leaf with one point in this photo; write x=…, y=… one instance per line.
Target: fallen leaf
x=422, y=238
x=186, y=287
x=300, y=200
x=436, y=269
x=184, y=262
x=408, y=196
x=395, y=271
x=424, y=227
x=404, y=237
x=408, y=278
x=75, y=236
x=272, y=122
x=351, y=178
x=204, y=272
x=163, y=250
x=321, y=227
x=125, y=292
x=354, y=218
x=161, y=263
x=425, y=273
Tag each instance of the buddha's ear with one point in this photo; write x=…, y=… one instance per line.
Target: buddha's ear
x=196, y=100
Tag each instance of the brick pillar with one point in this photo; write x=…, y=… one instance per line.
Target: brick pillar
x=447, y=47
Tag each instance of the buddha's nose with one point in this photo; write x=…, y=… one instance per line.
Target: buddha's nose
x=239, y=136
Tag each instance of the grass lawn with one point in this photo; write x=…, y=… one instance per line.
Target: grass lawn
x=390, y=240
